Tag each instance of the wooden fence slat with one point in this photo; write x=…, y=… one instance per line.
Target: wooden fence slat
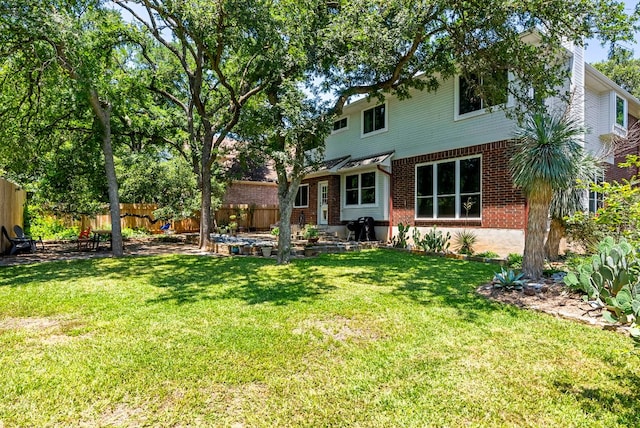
x=12, y=199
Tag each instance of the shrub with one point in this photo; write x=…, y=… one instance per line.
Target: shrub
x=611, y=278
x=488, y=255
x=514, y=261
x=51, y=228
x=464, y=241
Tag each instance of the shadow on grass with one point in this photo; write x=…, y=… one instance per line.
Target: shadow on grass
x=423, y=279
x=187, y=279
x=626, y=405
x=252, y=280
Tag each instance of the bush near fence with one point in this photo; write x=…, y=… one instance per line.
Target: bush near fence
x=12, y=200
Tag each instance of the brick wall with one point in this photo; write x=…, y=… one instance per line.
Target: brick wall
x=311, y=212
x=248, y=192
x=631, y=146
x=503, y=206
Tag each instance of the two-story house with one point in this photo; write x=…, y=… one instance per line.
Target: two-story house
x=441, y=158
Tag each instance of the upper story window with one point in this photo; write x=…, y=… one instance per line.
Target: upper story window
x=360, y=189
x=340, y=124
x=449, y=189
x=302, y=197
x=476, y=93
x=621, y=111
x=374, y=120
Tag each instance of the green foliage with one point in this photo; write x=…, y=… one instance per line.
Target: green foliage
x=488, y=254
x=619, y=217
x=275, y=231
x=583, y=228
x=623, y=69
x=611, y=278
x=310, y=231
x=51, y=228
x=509, y=280
x=400, y=240
x=434, y=241
x=464, y=241
x=128, y=233
x=514, y=260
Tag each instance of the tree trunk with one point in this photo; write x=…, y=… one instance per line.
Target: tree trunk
x=556, y=232
x=533, y=260
x=205, y=205
x=286, y=194
x=102, y=111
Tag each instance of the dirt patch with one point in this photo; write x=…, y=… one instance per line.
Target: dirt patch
x=29, y=323
x=338, y=328
x=553, y=298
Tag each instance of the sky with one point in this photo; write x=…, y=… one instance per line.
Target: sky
x=596, y=53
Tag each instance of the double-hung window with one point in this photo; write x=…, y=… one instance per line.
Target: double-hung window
x=476, y=93
x=596, y=199
x=360, y=189
x=302, y=197
x=374, y=120
x=449, y=189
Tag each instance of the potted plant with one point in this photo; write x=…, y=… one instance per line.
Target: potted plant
x=233, y=225
x=311, y=233
x=266, y=250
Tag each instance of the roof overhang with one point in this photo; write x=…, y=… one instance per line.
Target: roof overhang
x=382, y=159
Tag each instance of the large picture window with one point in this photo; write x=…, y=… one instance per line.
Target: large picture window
x=374, y=119
x=476, y=93
x=302, y=197
x=449, y=189
x=360, y=189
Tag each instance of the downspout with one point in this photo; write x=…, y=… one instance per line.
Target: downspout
x=390, y=175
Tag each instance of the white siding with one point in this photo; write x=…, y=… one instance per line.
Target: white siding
x=379, y=211
x=422, y=124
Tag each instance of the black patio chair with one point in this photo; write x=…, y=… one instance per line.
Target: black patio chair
x=21, y=235
x=17, y=244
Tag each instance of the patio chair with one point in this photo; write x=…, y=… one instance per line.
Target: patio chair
x=165, y=228
x=84, y=239
x=21, y=235
x=17, y=244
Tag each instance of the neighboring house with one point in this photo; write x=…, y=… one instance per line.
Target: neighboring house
x=441, y=159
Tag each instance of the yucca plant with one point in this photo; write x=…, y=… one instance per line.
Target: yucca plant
x=546, y=159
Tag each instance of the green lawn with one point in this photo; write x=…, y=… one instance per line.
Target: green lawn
x=369, y=339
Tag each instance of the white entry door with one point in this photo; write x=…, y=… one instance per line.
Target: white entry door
x=323, y=202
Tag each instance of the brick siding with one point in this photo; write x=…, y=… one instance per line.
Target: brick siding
x=625, y=148
x=311, y=212
x=503, y=206
x=246, y=192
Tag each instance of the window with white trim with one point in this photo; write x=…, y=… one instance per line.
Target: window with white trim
x=470, y=91
x=620, y=111
x=449, y=189
x=596, y=199
x=360, y=189
x=374, y=120
x=340, y=124
x=302, y=197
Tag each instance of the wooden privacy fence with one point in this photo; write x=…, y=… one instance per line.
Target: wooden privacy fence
x=140, y=216
x=257, y=217
x=12, y=200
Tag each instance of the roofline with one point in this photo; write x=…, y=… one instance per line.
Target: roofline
x=599, y=76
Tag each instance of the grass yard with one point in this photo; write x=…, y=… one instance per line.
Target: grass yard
x=371, y=339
